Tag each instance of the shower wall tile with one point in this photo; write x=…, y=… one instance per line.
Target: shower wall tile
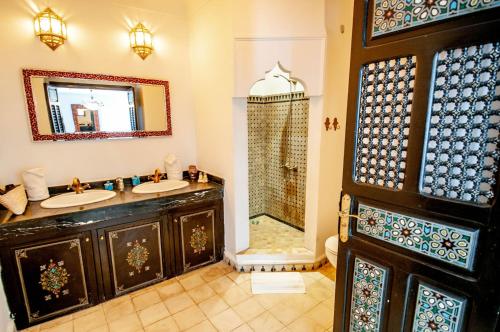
x=273, y=189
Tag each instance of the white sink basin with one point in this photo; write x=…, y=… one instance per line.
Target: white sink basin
x=73, y=199
x=165, y=185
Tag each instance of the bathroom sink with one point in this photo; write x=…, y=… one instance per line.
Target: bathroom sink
x=165, y=185
x=73, y=199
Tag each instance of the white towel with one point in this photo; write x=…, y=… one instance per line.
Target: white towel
x=173, y=167
x=36, y=186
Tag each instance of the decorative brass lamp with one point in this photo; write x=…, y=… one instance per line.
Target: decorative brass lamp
x=51, y=28
x=141, y=41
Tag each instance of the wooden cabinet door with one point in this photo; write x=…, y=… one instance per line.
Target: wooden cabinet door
x=132, y=255
x=53, y=276
x=197, y=243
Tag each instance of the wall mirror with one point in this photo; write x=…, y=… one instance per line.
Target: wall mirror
x=72, y=106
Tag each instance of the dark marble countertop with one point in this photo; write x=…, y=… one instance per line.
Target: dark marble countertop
x=124, y=204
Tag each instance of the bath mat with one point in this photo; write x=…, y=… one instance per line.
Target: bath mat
x=277, y=283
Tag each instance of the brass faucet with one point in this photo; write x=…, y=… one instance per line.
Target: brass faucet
x=78, y=187
x=157, y=177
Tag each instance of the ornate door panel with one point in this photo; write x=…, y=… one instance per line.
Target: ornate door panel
x=53, y=277
x=419, y=244
x=197, y=231
x=135, y=256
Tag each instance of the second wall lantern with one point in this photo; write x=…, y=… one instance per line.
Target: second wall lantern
x=51, y=28
x=141, y=41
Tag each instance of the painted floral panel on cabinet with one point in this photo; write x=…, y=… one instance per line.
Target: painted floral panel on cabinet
x=136, y=256
x=52, y=278
x=198, y=238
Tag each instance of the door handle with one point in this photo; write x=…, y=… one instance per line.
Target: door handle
x=344, y=214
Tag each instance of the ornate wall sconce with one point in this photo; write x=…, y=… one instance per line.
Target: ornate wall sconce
x=50, y=28
x=141, y=41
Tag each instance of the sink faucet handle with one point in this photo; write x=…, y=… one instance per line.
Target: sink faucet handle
x=77, y=186
x=157, y=176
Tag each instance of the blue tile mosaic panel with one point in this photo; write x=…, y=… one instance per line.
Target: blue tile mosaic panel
x=437, y=311
x=396, y=15
x=386, y=95
x=448, y=244
x=367, y=296
x=462, y=147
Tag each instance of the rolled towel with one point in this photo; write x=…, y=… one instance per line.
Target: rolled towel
x=34, y=180
x=15, y=200
x=173, y=167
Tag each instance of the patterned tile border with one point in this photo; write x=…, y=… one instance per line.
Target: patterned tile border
x=448, y=244
x=367, y=296
x=437, y=311
x=290, y=267
x=395, y=15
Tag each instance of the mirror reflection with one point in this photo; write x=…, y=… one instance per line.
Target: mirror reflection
x=65, y=106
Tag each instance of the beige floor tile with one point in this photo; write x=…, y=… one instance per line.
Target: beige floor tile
x=226, y=321
x=234, y=295
x=146, y=300
x=305, y=324
x=63, y=327
x=127, y=323
x=119, y=310
x=55, y=322
x=153, y=314
x=265, y=322
x=110, y=303
x=204, y=326
x=314, y=275
x=201, y=293
x=178, y=303
x=102, y=328
x=213, y=273
x=213, y=306
x=320, y=291
x=243, y=328
x=89, y=322
x=249, y=309
x=239, y=277
x=246, y=286
x=322, y=315
x=329, y=303
x=142, y=291
x=87, y=311
x=221, y=284
x=302, y=302
x=192, y=282
x=169, y=290
x=269, y=300
x=285, y=313
x=189, y=317
x=164, y=325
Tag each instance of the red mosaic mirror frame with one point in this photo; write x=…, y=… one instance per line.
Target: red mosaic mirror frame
x=37, y=136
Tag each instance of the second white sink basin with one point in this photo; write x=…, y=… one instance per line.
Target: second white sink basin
x=73, y=199
x=165, y=185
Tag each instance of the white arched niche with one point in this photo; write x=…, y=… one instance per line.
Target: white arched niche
x=277, y=81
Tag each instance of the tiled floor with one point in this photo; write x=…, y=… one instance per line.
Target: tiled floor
x=214, y=298
x=269, y=236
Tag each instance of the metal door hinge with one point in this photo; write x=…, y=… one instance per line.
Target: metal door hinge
x=344, y=214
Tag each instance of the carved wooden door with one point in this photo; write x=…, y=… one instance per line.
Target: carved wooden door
x=132, y=255
x=419, y=246
x=53, y=277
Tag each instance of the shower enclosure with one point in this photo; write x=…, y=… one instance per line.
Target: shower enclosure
x=277, y=164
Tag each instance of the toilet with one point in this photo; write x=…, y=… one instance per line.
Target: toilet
x=331, y=249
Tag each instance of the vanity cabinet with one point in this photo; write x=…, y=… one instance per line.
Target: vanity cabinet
x=53, y=277
x=198, y=234
x=131, y=255
x=55, y=265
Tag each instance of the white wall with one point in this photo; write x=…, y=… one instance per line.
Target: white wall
x=97, y=43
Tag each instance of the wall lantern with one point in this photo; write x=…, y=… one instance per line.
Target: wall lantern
x=51, y=28
x=141, y=41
